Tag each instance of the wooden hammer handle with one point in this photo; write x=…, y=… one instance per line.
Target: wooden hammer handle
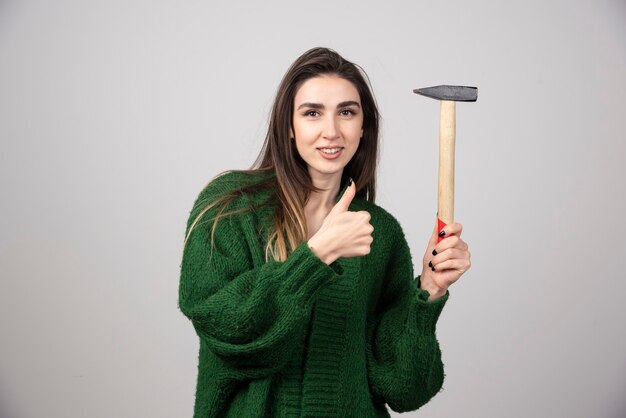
x=447, y=138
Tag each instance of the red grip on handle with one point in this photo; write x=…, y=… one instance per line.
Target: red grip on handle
x=440, y=225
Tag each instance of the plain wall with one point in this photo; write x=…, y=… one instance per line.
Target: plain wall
x=114, y=115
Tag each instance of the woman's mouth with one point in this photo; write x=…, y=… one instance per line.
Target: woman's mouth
x=330, y=153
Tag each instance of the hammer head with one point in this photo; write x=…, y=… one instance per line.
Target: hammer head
x=454, y=93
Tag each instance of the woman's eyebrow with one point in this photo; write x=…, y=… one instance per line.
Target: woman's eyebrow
x=321, y=106
x=349, y=103
x=311, y=105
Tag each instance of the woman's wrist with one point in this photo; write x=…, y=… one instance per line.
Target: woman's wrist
x=320, y=250
x=434, y=292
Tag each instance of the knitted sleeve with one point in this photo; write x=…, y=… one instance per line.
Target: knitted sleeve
x=403, y=356
x=251, y=317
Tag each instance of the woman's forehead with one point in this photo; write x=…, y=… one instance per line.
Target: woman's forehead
x=326, y=88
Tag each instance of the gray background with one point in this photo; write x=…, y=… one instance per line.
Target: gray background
x=114, y=115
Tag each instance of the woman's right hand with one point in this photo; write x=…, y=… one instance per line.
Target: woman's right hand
x=343, y=233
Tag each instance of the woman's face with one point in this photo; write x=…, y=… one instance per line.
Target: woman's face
x=327, y=116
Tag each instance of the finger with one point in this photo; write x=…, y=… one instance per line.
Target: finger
x=443, y=245
x=343, y=203
x=462, y=245
x=453, y=228
x=457, y=264
x=365, y=214
x=449, y=254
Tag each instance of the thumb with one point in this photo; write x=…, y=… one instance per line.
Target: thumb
x=344, y=202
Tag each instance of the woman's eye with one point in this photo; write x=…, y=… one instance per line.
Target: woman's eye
x=312, y=113
x=347, y=112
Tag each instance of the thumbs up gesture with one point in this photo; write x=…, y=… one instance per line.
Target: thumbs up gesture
x=343, y=233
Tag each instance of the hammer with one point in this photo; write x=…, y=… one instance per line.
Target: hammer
x=448, y=95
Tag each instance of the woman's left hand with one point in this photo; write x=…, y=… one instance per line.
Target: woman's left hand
x=444, y=266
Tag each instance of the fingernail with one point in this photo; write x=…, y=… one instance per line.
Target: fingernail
x=350, y=182
x=434, y=252
x=442, y=233
x=430, y=264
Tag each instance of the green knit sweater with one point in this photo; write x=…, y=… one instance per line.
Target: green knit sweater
x=301, y=338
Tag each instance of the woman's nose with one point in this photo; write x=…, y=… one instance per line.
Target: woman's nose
x=330, y=128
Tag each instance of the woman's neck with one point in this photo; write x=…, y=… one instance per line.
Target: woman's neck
x=324, y=200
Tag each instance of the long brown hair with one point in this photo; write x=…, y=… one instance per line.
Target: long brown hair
x=279, y=156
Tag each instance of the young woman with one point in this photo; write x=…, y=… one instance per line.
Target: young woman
x=301, y=288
